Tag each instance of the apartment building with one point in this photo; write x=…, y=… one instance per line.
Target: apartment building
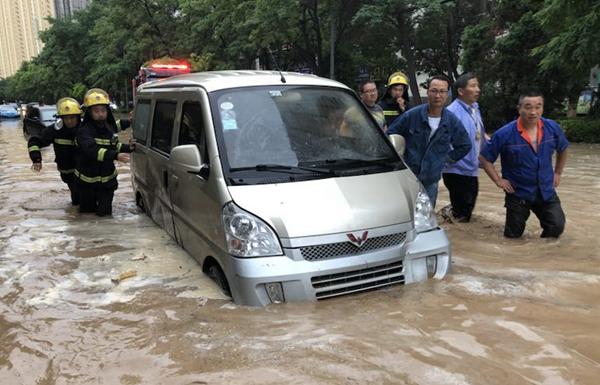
x=21, y=21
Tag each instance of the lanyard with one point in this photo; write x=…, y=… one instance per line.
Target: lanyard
x=478, y=124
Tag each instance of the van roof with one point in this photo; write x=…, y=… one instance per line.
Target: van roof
x=218, y=80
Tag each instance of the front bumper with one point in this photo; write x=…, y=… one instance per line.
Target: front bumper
x=303, y=280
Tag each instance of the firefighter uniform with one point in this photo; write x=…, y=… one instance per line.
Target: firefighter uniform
x=98, y=146
x=63, y=140
x=391, y=109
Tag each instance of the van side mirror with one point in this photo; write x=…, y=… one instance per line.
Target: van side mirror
x=398, y=142
x=188, y=158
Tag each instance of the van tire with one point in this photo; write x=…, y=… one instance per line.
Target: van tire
x=215, y=273
x=140, y=203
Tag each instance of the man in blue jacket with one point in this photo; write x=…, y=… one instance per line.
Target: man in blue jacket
x=461, y=178
x=433, y=136
x=526, y=146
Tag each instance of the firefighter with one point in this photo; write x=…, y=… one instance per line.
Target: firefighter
x=395, y=100
x=98, y=147
x=62, y=135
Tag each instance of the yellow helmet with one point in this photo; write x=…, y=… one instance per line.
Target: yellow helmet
x=397, y=78
x=68, y=106
x=95, y=96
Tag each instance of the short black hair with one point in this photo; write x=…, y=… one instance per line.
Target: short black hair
x=363, y=83
x=463, y=80
x=438, y=77
x=530, y=93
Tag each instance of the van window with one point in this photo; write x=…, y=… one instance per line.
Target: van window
x=141, y=121
x=191, y=130
x=162, y=125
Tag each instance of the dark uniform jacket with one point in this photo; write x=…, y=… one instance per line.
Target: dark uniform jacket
x=98, y=147
x=391, y=109
x=63, y=139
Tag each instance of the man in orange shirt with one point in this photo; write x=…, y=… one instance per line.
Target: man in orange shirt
x=526, y=146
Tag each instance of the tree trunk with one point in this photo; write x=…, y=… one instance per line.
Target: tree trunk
x=412, y=74
x=572, y=107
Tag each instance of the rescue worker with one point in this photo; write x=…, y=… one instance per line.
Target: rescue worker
x=98, y=147
x=62, y=135
x=395, y=100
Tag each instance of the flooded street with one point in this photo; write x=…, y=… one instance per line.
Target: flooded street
x=512, y=312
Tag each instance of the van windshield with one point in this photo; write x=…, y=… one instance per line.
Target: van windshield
x=297, y=127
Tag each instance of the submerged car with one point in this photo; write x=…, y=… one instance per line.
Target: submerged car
x=8, y=112
x=37, y=118
x=281, y=186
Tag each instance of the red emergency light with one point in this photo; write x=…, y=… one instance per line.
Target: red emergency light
x=170, y=66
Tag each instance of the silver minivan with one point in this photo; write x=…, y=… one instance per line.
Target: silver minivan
x=282, y=186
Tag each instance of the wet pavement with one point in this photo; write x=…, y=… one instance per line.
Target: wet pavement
x=512, y=312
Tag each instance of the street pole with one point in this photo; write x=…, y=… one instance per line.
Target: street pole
x=126, y=96
x=332, y=50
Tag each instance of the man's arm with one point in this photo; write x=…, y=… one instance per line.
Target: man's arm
x=399, y=126
x=461, y=144
x=561, y=160
x=490, y=170
x=35, y=143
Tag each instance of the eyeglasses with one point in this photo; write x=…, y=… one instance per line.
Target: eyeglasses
x=437, y=92
x=372, y=91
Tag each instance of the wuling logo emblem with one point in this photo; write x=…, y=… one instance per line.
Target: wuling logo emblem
x=358, y=241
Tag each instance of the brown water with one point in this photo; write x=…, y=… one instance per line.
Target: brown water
x=512, y=312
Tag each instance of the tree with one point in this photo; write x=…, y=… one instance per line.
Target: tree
x=500, y=49
x=574, y=46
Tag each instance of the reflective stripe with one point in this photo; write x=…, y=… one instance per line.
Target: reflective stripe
x=95, y=179
x=33, y=148
x=101, y=153
x=390, y=113
x=119, y=124
x=70, y=171
x=119, y=146
x=66, y=142
x=102, y=142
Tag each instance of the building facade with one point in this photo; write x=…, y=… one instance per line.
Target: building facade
x=65, y=8
x=21, y=21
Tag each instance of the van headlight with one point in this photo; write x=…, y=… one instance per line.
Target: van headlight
x=247, y=235
x=424, y=215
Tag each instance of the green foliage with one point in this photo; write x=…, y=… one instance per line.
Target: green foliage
x=511, y=45
x=581, y=129
x=502, y=51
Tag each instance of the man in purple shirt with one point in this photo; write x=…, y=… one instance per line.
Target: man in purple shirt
x=461, y=177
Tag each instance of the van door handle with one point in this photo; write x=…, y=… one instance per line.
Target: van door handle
x=175, y=180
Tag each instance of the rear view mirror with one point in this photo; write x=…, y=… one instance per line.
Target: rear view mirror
x=398, y=143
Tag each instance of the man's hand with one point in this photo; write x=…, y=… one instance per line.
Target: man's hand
x=131, y=144
x=556, y=179
x=122, y=157
x=401, y=103
x=37, y=167
x=505, y=185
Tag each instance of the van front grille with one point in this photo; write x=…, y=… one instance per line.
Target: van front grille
x=333, y=285
x=334, y=250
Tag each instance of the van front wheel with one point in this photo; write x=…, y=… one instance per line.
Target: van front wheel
x=215, y=273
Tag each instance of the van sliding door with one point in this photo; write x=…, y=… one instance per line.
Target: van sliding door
x=194, y=198
x=158, y=162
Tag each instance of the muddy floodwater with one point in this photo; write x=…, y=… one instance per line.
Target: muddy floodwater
x=512, y=312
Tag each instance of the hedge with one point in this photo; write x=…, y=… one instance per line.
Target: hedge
x=581, y=129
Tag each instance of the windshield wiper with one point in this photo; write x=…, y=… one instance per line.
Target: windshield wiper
x=351, y=162
x=284, y=169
